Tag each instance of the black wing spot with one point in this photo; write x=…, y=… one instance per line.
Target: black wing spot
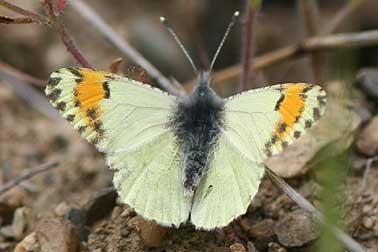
x=53, y=81
x=92, y=113
x=81, y=129
x=105, y=86
x=274, y=139
x=308, y=88
x=278, y=104
x=61, y=106
x=54, y=95
x=70, y=118
x=282, y=127
x=297, y=134
x=308, y=124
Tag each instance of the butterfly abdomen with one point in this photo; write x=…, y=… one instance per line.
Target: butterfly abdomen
x=197, y=124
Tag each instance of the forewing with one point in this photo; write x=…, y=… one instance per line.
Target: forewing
x=260, y=123
x=128, y=121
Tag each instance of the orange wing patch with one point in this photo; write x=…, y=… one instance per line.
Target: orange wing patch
x=295, y=100
x=290, y=107
x=91, y=89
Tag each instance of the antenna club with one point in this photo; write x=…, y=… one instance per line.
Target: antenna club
x=162, y=19
x=236, y=14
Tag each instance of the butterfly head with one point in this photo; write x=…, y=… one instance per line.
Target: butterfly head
x=203, y=90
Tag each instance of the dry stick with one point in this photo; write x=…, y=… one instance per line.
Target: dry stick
x=348, y=241
x=92, y=17
x=341, y=15
x=310, y=13
x=247, y=46
x=64, y=36
x=22, y=75
x=321, y=43
x=34, y=16
x=16, y=20
x=28, y=174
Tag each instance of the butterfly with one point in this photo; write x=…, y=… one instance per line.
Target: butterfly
x=199, y=157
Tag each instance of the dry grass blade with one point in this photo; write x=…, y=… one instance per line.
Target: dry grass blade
x=348, y=241
x=28, y=174
x=92, y=17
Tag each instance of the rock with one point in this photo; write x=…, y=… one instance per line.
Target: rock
x=149, y=232
x=296, y=229
x=28, y=244
x=9, y=202
x=367, y=142
x=61, y=209
x=238, y=247
x=274, y=247
x=23, y=218
x=368, y=222
x=367, y=80
x=262, y=230
x=336, y=127
x=262, y=233
x=99, y=205
x=56, y=234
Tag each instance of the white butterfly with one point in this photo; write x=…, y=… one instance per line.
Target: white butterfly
x=198, y=158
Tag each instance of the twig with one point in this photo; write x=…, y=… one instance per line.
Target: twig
x=15, y=20
x=29, y=94
x=92, y=17
x=28, y=174
x=348, y=241
x=310, y=13
x=34, y=16
x=64, y=36
x=247, y=38
x=22, y=75
x=341, y=15
x=321, y=43
x=369, y=164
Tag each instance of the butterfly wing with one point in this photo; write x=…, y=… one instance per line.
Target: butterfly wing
x=258, y=124
x=226, y=189
x=128, y=121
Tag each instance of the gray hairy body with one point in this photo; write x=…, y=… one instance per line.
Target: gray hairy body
x=197, y=123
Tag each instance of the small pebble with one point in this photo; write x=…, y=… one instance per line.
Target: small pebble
x=150, y=233
x=28, y=244
x=237, y=247
x=295, y=229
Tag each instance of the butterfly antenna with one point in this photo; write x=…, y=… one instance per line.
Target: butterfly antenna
x=233, y=21
x=174, y=35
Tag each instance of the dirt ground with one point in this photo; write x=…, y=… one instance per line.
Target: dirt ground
x=74, y=208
